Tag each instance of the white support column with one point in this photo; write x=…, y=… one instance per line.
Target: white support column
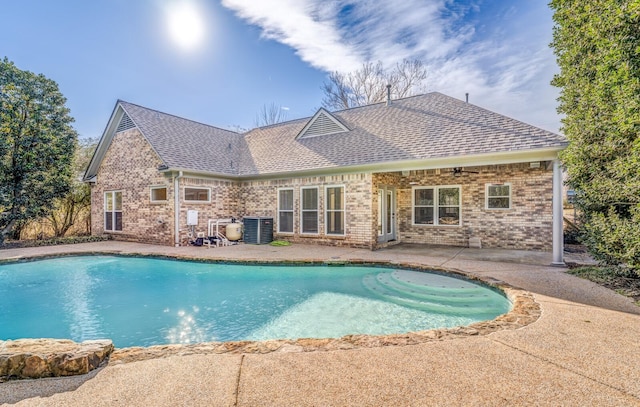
x=558, y=238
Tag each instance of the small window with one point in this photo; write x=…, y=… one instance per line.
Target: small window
x=197, y=194
x=498, y=196
x=334, y=210
x=309, y=210
x=158, y=194
x=436, y=206
x=285, y=210
x=113, y=211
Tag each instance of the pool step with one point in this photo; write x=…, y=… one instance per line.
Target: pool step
x=452, y=294
x=433, y=293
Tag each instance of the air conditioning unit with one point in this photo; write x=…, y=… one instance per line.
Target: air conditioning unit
x=258, y=230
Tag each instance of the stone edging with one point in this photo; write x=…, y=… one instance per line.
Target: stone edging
x=524, y=312
x=38, y=358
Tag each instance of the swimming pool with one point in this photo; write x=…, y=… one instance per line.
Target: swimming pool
x=148, y=301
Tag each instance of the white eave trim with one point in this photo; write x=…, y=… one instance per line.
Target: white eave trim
x=190, y=173
x=107, y=136
x=500, y=158
x=104, y=143
x=476, y=160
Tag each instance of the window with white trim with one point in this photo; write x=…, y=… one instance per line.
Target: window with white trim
x=113, y=211
x=498, y=196
x=192, y=194
x=334, y=210
x=158, y=194
x=436, y=205
x=309, y=210
x=423, y=206
x=285, y=210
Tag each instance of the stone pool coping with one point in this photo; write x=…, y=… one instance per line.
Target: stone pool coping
x=43, y=357
x=40, y=358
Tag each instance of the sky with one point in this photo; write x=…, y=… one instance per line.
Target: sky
x=221, y=62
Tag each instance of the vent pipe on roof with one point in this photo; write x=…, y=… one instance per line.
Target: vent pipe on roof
x=466, y=95
x=388, y=95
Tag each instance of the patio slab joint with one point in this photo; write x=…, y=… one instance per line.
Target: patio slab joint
x=565, y=368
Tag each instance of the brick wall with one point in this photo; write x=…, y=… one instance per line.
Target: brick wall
x=223, y=205
x=527, y=225
x=259, y=198
x=130, y=166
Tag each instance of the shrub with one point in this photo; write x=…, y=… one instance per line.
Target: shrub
x=614, y=239
x=54, y=241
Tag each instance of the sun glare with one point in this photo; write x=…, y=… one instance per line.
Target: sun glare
x=185, y=24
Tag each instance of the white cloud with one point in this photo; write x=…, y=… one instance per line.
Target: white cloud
x=500, y=57
x=304, y=26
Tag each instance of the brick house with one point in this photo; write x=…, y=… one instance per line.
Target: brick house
x=425, y=169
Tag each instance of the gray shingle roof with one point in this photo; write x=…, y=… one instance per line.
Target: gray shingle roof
x=186, y=144
x=421, y=127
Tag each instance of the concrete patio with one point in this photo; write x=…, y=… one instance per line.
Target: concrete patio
x=583, y=350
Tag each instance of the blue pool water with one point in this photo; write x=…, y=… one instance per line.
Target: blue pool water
x=146, y=301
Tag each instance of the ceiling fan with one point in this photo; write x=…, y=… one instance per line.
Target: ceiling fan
x=458, y=171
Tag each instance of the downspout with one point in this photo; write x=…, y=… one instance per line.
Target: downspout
x=558, y=238
x=176, y=208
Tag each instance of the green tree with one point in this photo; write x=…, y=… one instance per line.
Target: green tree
x=75, y=206
x=37, y=144
x=597, y=44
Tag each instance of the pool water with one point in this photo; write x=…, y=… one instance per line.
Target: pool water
x=146, y=301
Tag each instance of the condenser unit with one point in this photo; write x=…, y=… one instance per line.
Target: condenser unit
x=258, y=230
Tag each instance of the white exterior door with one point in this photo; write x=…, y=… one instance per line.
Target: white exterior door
x=386, y=214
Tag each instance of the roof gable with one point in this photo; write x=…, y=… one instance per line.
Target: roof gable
x=321, y=124
x=180, y=143
x=431, y=130
x=188, y=145
x=419, y=132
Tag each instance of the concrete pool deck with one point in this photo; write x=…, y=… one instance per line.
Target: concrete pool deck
x=583, y=350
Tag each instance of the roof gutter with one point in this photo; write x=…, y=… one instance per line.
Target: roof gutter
x=476, y=160
x=500, y=158
x=186, y=173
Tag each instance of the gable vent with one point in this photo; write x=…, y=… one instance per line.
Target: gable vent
x=321, y=124
x=125, y=123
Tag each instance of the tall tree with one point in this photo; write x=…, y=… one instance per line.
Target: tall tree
x=75, y=206
x=369, y=84
x=270, y=114
x=597, y=46
x=37, y=144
